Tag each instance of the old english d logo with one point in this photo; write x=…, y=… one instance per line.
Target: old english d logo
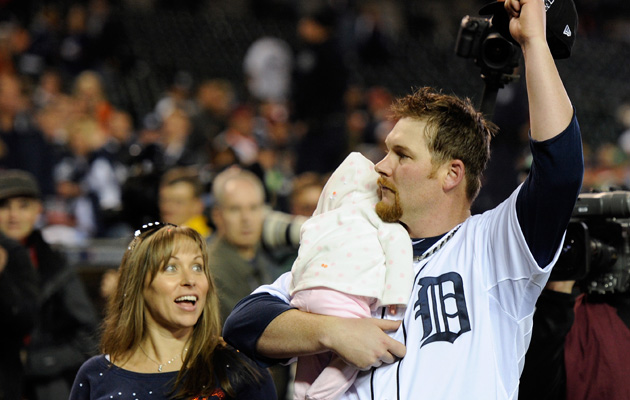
x=442, y=306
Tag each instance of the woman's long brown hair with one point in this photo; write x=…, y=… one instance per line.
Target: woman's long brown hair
x=124, y=324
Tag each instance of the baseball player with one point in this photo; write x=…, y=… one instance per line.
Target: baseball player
x=466, y=327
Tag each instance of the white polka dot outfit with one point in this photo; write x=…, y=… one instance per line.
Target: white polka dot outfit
x=345, y=246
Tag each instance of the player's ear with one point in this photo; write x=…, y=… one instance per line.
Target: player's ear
x=455, y=174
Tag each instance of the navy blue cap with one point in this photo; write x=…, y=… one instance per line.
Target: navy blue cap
x=562, y=22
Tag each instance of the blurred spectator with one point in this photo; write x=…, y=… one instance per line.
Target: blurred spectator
x=19, y=288
x=22, y=144
x=120, y=139
x=48, y=90
x=65, y=330
x=44, y=40
x=609, y=168
x=108, y=284
x=376, y=151
x=275, y=155
x=76, y=51
x=622, y=116
x=307, y=188
x=268, y=66
x=320, y=80
x=356, y=124
x=88, y=189
x=145, y=169
x=214, y=101
x=240, y=136
x=174, y=139
x=222, y=158
x=365, y=122
x=107, y=33
x=281, y=230
x=236, y=260
x=378, y=101
x=52, y=120
x=20, y=40
x=177, y=97
x=7, y=52
x=90, y=98
x=180, y=200
x=374, y=43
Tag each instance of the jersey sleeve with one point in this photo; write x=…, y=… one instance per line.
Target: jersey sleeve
x=546, y=198
x=250, y=317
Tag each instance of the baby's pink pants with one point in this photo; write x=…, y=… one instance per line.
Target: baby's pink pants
x=326, y=375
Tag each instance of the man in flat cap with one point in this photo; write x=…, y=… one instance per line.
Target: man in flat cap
x=64, y=333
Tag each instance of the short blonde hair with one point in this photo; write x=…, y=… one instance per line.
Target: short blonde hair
x=455, y=130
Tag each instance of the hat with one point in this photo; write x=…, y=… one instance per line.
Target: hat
x=17, y=183
x=562, y=21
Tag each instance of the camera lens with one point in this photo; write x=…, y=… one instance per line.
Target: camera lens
x=496, y=51
x=603, y=255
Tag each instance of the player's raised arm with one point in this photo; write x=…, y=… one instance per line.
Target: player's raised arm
x=557, y=165
x=549, y=105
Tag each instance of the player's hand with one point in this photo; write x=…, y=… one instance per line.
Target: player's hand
x=363, y=343
x=527, y=20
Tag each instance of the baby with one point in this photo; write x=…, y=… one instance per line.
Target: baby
x=349, y=263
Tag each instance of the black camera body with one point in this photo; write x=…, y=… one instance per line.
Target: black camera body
x=596, y=250
x=479, y=40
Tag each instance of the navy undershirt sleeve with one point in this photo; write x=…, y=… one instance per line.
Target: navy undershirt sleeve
x=247, y=322
x=546, y=199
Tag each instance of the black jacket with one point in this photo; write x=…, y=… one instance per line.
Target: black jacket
x=65, y=333
x=18, y=312
x=544, y=374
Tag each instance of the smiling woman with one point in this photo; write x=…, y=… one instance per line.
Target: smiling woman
x=161, y=332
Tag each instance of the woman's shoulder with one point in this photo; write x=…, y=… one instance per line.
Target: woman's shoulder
x=95, y=364
x=87, y=376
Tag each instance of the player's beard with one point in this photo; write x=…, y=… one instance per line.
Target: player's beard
x=389, y=213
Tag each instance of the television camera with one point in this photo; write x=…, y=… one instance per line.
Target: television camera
x=596, y=250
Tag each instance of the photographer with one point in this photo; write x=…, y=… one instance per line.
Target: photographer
x=580, y=343
x=580, y=346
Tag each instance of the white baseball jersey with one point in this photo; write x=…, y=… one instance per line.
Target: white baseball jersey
x=468, y=323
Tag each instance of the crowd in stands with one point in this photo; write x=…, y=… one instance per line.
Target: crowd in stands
x=99, y=165
x=99, y=162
